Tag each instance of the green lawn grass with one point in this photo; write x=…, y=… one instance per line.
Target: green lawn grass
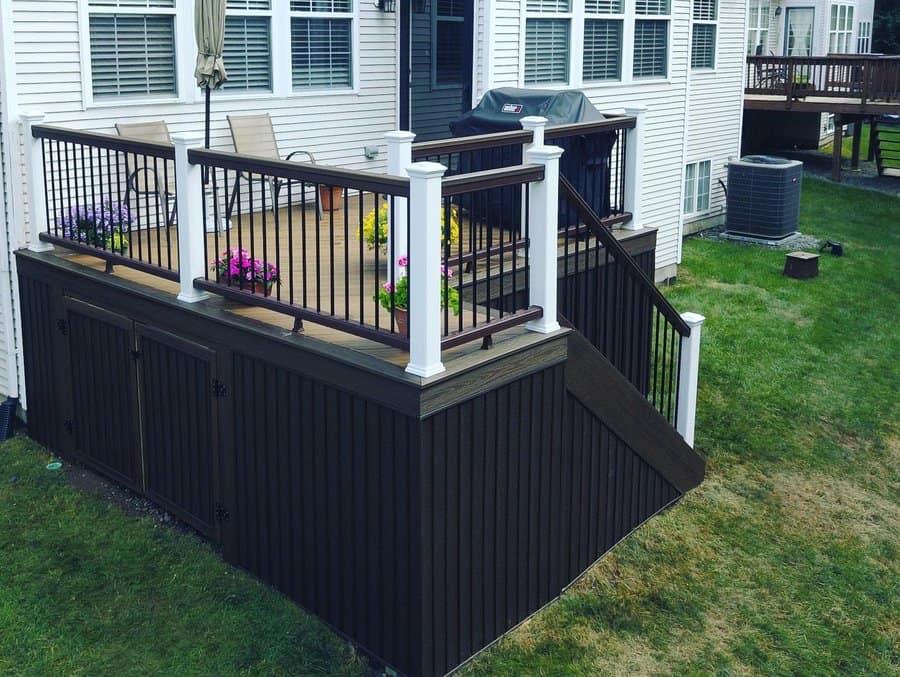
x=784, y=561
x=847, y=144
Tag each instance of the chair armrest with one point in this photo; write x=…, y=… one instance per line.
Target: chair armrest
x=312, y=159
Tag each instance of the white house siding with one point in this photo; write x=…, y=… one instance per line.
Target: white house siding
x=664, y=120
x=335, y=126
x=715, y=107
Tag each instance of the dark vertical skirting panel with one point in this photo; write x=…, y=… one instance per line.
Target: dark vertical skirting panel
x=323, y=503
x=39, y=332
x=104, y=394
x=176, y=382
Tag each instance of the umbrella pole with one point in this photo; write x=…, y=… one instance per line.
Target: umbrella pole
x=206, y=138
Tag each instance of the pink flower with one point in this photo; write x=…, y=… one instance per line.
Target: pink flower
x=403, y=261
x=388, y=287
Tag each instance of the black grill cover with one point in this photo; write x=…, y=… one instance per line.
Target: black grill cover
x=585, y=162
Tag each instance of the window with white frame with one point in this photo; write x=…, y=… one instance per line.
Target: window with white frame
x=132, y=48
x=603, y=23
x=651, y=39
x=758, y=27
x=322, y=44
x=697, y=177
x=547, y=25
x=703, y=33
x=864, y=37
x=841, y=29
x=247, y=51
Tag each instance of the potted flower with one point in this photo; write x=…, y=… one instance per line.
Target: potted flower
x=396, y=297
x=375, y=227
x=105, y=225
x=236, y=268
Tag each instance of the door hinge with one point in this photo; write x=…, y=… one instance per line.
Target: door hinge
x=219, y=389
x=63, y=327
x=222, y=515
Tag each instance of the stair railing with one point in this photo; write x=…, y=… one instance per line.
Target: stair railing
x=608, y=295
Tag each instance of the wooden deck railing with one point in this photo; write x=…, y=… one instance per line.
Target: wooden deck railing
x=863, y=77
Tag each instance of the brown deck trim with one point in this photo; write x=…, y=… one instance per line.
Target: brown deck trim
x=802, y=106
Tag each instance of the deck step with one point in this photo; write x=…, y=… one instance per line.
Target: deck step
x=885, y=140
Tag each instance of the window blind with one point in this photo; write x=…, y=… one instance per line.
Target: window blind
x=703, y=185
x=548, y=6
x=546, y=51
x=651, y=7
x=602, y=49
x=454, y=8
x=448, y=52
x=147, y=4
x=248, y=4
x=132, y=54
x=650, y=48
x=689, y=171
x=321, y=53
x=705, y=10
x=329, y=6
x=703, y=46
x=604, y=6
x=247, y=53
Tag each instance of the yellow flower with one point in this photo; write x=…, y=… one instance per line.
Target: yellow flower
x=368, y=231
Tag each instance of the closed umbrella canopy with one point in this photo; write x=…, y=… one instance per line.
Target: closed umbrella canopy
x=209, y=29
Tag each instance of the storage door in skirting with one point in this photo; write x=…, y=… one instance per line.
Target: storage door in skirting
x=104, y=426
x=178, y=388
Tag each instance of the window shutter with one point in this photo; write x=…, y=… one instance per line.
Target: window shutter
x=144, y=4
x=260, y=5
x=604, y=6
x=703, y=46
x=247, y=53
x=132, y=55
x=650, y=48
x=602, y=49
x=321, y=53
x=546, y=51
x=331, y=6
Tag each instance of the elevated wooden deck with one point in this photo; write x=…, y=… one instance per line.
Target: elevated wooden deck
x=821, y=104
x=337, y=273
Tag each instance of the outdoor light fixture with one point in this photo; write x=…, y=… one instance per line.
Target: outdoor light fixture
x=386, y=6
x=778, y=11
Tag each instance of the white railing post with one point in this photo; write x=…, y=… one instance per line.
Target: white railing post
x=189, y=200
x=34, y=183
x=534, y=124
x=543, y=220
x=399, y=158
x=687, y=377
x=634, y=166
x=425, y=269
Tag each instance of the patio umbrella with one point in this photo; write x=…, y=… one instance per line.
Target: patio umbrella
x=209, y=29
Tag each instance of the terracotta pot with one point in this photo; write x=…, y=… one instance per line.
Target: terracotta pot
x=257, y=287
x=331, y=198
x=401, y=317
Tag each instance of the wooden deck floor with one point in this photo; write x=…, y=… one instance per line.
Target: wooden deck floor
x=820, y=104
x=342, y=282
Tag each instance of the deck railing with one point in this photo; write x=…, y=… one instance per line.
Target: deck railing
x=601, y=177
x=105, y=195
x=867, y=78
x=610, y=299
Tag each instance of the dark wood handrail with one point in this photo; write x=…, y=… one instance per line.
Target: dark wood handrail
x=517, y=137
x=107, y=141
x=301, y=171
x=491, y=178
x=593, y=221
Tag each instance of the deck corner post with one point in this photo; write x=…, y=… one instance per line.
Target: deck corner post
x=536, y=125
x=189, y=210
x=543, y=224
x=425, y=269
x=688, y=371
x=634, y=167
x=399, y=158
x=35, y=182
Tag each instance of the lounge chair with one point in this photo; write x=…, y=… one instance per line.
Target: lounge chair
x=148, y=175
x=255, y=135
